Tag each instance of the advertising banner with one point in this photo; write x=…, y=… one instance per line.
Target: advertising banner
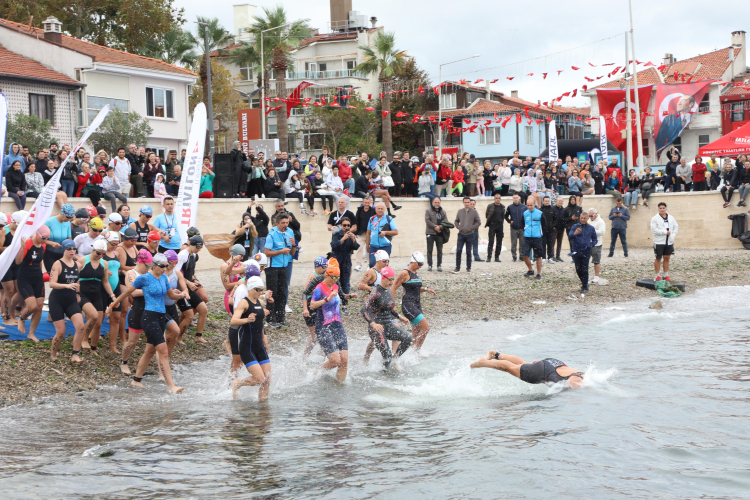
x=186, y=206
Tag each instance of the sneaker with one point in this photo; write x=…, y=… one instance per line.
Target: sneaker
x=497, y=259
x=273, y=324
x=611, y=255
x=514, y=259
x=529, y=274
x=468, y=269
x=635, y=207
x=304, y=211
x=626, y=256
x=429, y=268
x=558, y=259
x=538, y=276
x=550, y=261
x=287, y=309
x=489, y=259
x=596, y=279
x=283, y=323
x=456, y=270
x=583, y=290
x=658, y=278
x=399, y=207
x=726, y=204
x=358, y=268
x=666, y=278
x=440, y=269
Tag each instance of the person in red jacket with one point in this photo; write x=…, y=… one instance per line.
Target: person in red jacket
x=345, y=172
x=699, y=174
x=458, y=179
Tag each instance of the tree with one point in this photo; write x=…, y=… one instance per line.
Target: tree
x=120, y=24
x=31, y=131
x=247, y=55
x=120, y=129
x=225, y=100
x=173, y=48
x=346, y=130
x=217, y=37
x=281, y=41
x=410, y=136
x=386, y=60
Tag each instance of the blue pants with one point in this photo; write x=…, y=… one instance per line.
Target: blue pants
x=349, y=184
x=429, y=195
x=374, y=249
x=468, y=240
x=259, y=245
x=621, y=233
x=476, y=246
x=69, y=187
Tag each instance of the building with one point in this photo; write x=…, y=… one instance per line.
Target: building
x=327, y=59
x=714, y=117
x=93, y=76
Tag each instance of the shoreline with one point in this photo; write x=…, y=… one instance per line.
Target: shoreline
x=490, y=292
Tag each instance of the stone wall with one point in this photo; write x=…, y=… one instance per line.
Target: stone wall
x=703, y=223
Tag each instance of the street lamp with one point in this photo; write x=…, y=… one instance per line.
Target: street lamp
x=210, y=100
x=263, y=69
x=440, y=108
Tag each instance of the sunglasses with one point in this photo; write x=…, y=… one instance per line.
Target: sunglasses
x=335, y=278
x=113, y=242
x=259, y=290
x=148, y=266
x=97, y=252
x=97, y=230
x=116, y=223
x=163, y=266
x=198, y=246
x=72, y=248
x=147, y=216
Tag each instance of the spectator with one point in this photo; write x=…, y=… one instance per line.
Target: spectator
x=260, y=221
x=152, y=167
x=699, y=174
x=548, y=230
x=160, y=189
x=50, y=171
x=173, y=183
x=343, y=245
x=596, y=251
x=14, y=153
x=247, y=227
x=325, y=154
x=494, y=215
x=364, y=213
x=571, y=214
x=664, y=229
x=381, y=229
x=34, y=181
x=362, y=185
x=743, y=179
x=475, y=235
x=560, y=226
x=467, y=221
x=27, y=159
x=122, y=171
x=342, y=213
x=207, y=179
x=317, y=187
x=170, y=164
x=598, y=177
x=514, y=217
x=238, y=167
x=395, y=168
x=408, y=173
x=256, y=179
x=619, y=215
x=588, y=186
x=425, y=184
x=69, y=174
x=273, y=186
x=684, y=177
x=335, y=185
x=279, y=248
x=613, y=187
x=112, y=190
x=183, y=154
x=457, y=178
x=41, y=161
x=136, y=158
x=670, y=173
x=630, y=198
x=280, y=162
x=731, y=183
x=345, y=172
x=294, y=188
x=534, y=223
x=583, y=239
x=516, y=186
x=15, y=182
x=648, y=185
x=575, y=186
x=434, y=218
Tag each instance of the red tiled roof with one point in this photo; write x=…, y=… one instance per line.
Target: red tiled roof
x=711, y=65
x=474, y=87
x=328, y=37
x=100, y=53
x=17, y=66
x=478, y=107
x=648, y=76
x=218, y=52
x=739, y=90
x=516, y=103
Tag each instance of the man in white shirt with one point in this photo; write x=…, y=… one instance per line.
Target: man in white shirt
x=596, y=252
x=122, y=170
x=664, y=228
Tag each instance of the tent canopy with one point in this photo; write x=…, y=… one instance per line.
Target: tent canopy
x=572, y=147
x=732, y=144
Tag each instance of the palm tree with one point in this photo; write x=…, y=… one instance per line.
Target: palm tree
x=174, y=48
x=280, y=41
x=385, y=60
x=218, y=37
x=248, y=56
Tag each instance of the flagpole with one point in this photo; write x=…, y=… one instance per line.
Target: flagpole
x=637, y=99
x=629, y=145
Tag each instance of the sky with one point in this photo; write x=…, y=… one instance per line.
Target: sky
x=518, y=38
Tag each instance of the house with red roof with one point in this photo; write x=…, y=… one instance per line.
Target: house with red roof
x=68, y=80
x=726, y=67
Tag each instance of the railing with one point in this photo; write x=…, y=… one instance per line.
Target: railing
x=705, y=108
x=322, y=75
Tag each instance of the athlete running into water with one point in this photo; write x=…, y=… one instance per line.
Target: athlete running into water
x=548, y=371
x=370, y=280
x=379, y=311
x=253, y=268
x=31, y=280
x=253, y=343
x=328, y=326
x=411, y=301
x=63, y=300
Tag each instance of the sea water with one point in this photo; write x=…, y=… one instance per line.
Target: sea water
x=663, y=414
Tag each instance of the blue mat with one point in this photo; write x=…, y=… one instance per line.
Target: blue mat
x=46, y=329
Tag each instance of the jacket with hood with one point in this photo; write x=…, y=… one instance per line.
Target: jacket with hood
x=569, y=212
x=559, y=217
x=659, y=230
x=15, y=181
x=13, y=156
x=549, y=219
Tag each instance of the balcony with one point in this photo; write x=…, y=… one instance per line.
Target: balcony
x=324, y=75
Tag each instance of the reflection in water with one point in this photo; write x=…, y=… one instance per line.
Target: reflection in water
x=670, y=425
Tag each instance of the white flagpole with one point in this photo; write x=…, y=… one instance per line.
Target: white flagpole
x=186, y=207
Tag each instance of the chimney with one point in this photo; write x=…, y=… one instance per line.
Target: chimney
x=488, y=93
x=340, y=14
x=668, y=59
x=738, y=39
x=374, y=21
x=52, y=30
x=514, y=93
x=738, y=42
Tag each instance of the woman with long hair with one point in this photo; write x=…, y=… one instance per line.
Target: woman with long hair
x=15, y=182
x=63, y=300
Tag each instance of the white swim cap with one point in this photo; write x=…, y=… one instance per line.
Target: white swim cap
x=417, y=257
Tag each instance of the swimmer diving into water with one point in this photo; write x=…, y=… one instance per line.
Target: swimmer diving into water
x=546, y=371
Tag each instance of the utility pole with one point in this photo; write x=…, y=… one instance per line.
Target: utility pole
x=637, y=100
x=210, y=100
x=629, y=146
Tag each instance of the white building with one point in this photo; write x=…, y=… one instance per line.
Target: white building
x=154, y=89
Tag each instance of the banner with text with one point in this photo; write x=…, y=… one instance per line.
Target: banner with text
x=249, y=127
x=674, y=108
x=45, y=202
x=190, y=183
x=603, y=138
x=552, y=145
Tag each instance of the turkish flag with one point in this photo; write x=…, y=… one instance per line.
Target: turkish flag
x=612, y=108
x=294, y=98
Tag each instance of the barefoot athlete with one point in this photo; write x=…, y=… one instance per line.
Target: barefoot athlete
x=155, y=287
x=253, y=343
x=548, y=371
x=92, y=277
x=63, y=300
x=370, y=280
x=9, y=284
x=328, y=326
x=411, y=301
x=127, y=252
x=138, y=304
x=253, y=268
x=30, y=280
x=113, y=261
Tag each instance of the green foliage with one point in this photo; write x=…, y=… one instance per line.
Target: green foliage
x=120, y=129
x=347, y=131
x=410, y=136
x=31, y=131
x=383, y=58
x=174, y=47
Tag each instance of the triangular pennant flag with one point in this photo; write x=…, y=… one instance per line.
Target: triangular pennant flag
x=574, y=68
x=545, y=76
x=510, y=77
x=518, y=117
x=493, y=81
x=370, y=109
x=386, y=113
x=467, y=121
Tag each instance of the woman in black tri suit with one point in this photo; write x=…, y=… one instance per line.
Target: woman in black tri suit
x=93, y=275
x=9, y=280
x=547, y=371
x=63, y=300
x=253, y=344
x=142, y=225
x=127, y=252
x=31, y=280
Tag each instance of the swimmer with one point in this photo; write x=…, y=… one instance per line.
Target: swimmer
x=411, y=301
x=239, y=292
x=93, y=276
x=547, y=371
x=319, y=269
x=30, y=281
x=328, y=326
x=253, y=343
x=137, y=305
x=63, y=300
x=370, y=280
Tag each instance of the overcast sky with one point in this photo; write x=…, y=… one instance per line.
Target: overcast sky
x=505, y=33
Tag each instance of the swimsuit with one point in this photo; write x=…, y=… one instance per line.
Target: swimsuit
x=64, y=301
x=91, y=285
x=30, y=278
x=251, y=349
x=114, y=281
x=380, y=308
x=544, y=371
x=136, y=310
x=233, y=278
x=411, y=302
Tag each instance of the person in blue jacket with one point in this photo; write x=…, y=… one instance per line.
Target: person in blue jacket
x=583, y=239
x=534, y=222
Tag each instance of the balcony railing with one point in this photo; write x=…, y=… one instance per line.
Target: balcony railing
x=322, y=75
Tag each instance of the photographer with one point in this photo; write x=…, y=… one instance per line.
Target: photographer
x=247, y=228
x=343, y=244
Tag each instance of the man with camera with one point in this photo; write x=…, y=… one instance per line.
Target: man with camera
x=343, y=244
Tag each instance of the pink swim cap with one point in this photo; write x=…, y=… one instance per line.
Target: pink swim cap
x=43, y=231
x=145, y=257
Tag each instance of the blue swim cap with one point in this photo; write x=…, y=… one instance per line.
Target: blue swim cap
x=68, y=211
x=146, y=209
x=67, y=244
x=321, y=262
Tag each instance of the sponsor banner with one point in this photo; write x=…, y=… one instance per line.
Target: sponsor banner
x=186, y=206
x=552, y=151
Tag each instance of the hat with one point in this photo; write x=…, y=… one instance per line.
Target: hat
x=171, y=255
x=382, y=255
x=82, y=213
x=17, y=217
x=192, y=231
x=91, y=210
x=146, y=209
x=115, y=217
x=113, y=236
x=236, y=249
x=96, y=223
x=159, y=258
x=261, y=259
x=321, y=262
x=3, y=218
x=255, y=282
x=129, y=234
x=332, y=269
x=153, y=236
x=197, y=241
x=387, y=272
x=43, y=231
x=67, y=210
x=101, y=210
x=68, y=244
x=100, y=245
x=417, y=257
x=144, y=256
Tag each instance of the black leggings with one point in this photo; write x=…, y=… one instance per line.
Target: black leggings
x=559, y=233
x=296, y=194
x=311, y=200
x=435, y=240
x=390, y=332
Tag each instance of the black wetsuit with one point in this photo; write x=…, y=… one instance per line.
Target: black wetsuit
x=64, y=301
x=136, y=312
x=30, y=279
x=544, y=371
x=411, y=301
x=251, y=347
x=188, y=272
x=129, y=262
x=91, y=285
x=381, y=309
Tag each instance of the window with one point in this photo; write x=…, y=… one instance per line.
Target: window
x=246, y=74
x=272, y=114
x=350, y=65
x=159, y=102
x=43, y=106
x=312, y=140
x=645, y=147
x=322, y=67
x=272, y=131
x=703, y=140
x=738, y=112
x=490, y=136
x=448, y=101
x=161, y=151
x=704, y=105
x=300, y=111
x=79, y=108
x=95, y=104
x=528, y=133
